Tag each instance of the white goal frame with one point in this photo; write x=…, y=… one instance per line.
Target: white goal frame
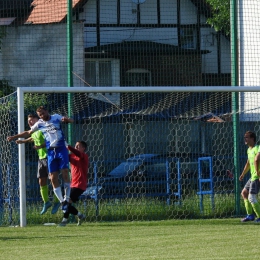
x=155, y=89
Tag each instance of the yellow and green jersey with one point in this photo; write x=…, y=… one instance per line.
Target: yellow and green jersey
x=38, y=139
x=251, y=153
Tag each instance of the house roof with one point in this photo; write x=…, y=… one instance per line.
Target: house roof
x=51, y=11
x=137, y=47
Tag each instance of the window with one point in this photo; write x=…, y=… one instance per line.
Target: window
x=103, y=73
x=138, y=77
x=187, y=38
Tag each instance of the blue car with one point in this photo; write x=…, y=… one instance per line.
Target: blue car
x=156, y=175
x=141, y=175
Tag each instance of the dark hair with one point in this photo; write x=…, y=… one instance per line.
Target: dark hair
x=41, y=108
x=33, y=116
x=84, y=144
x=252, y=135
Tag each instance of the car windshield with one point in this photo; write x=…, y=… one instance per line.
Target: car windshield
x=124, y=168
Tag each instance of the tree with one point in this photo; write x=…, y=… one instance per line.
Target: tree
x=5, y=88
x=220, y=19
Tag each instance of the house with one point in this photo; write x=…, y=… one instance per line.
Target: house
x=200, y=57
x=124, y=43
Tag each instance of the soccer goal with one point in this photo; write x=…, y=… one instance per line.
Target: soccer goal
x=177, y=147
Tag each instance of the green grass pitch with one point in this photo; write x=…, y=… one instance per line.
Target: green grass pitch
x=171, y=239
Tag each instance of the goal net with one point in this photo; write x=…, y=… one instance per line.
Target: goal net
x=155, y=153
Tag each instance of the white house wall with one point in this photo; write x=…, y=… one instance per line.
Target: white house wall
x=126, y=10
x=210, y=60
x=90, y=37
x=108, y=13
x=168, y=11
x=188, y=12
x=249, y=57
x=29, y=64
x=159, y=35
x=90, y=13
x=209, y=42
x=148, y=12
x=203, y=19
x=225, y=55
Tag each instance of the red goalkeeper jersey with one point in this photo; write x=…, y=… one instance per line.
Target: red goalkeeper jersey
x=79, y=168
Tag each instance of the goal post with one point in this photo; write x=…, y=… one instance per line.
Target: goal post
x=198, y=110
x=21, y=156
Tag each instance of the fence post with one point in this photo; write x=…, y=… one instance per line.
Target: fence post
x=96, y=197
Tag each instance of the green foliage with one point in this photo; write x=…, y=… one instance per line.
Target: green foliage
x=5, y=88
x=32, y=101
x=8, y=102
x=136, y=209
x=220, y=19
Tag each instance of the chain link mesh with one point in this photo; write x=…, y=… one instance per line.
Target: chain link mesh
x=184, y=137
x=148, y=160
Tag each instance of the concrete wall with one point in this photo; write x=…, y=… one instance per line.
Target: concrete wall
x=36, y=55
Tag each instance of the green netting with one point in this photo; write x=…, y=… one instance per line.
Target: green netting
x=151, y=43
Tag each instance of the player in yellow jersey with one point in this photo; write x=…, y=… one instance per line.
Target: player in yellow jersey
x=251, y=189
x=39, y=145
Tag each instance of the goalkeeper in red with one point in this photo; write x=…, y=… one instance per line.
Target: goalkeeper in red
x=79, y=163
x=251, y=189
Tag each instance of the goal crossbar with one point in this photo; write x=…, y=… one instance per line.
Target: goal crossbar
x=155, y=89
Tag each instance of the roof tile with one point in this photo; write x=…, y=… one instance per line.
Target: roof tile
x=49, y=11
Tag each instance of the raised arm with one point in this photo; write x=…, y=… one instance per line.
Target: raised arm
x=25, y=134
x=75, y=151
x=28, y=140
x=67, y=120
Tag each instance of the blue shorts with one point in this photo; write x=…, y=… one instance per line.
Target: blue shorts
x=58, y=158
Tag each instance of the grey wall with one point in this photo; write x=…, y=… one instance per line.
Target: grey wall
x=36, y=55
